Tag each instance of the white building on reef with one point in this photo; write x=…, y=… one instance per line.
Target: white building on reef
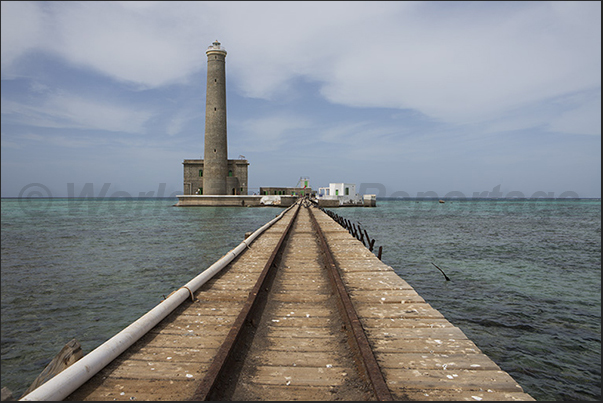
x=340, y=194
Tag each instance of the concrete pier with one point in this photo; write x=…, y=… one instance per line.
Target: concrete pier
x=231, y=201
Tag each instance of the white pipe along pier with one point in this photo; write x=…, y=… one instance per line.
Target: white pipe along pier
x=67, y=381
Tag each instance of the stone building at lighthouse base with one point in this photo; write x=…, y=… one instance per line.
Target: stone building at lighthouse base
x=236, y=181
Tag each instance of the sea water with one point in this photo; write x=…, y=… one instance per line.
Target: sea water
x=525, y=275
x=525, y=280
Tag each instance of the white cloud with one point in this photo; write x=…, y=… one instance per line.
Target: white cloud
x=584, y=119
x=176, y=123
x=72, y=111
x=22, y=28
x=470, y=70
x=148, y=45
x=269, y=133
x=274, y=42
x=457, y=62
x=145, y=45
x=572, y=113
x=463, y=77
x=35, y=141
x=5, y=143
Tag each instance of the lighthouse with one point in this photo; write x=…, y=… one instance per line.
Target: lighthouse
x=216, y=151
x=215, y=174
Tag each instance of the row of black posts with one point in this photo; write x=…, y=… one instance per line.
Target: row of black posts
x=355, y=230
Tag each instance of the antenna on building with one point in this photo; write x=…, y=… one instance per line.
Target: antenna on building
x=303, y=182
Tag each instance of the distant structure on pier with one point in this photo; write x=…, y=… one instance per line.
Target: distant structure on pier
x=215, y=174
x=344, y=194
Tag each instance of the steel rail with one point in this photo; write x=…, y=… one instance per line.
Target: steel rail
x=358, y=336
x=225, y=355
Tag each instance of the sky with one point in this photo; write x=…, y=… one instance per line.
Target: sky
x=400, y=98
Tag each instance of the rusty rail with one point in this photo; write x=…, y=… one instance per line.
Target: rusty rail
x=217, y=374
x=358, y=337
x=225, y=355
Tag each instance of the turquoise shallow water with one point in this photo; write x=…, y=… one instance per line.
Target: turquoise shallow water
x=525, y=275
x=525, y=280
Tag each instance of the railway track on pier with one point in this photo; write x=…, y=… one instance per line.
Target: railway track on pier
x=283, y=331
x=306, y=312
x=300, y=336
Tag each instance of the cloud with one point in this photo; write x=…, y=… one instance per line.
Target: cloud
x=66, y=110
x=178, y=122
x=471, y=67
x=147, y=45
x=144, y=45
x=460, y=62
x=459, y=88
x=6, y=143
x=269, y=133
x=569, y=113
x=62, y=141
x=22, y=31
x=584, y=117
x=274, y=42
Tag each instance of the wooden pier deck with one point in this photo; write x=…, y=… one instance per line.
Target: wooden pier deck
x=297, y=348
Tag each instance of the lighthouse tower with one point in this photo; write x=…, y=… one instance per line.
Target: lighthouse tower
x=215, y=175
x=216, y=154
